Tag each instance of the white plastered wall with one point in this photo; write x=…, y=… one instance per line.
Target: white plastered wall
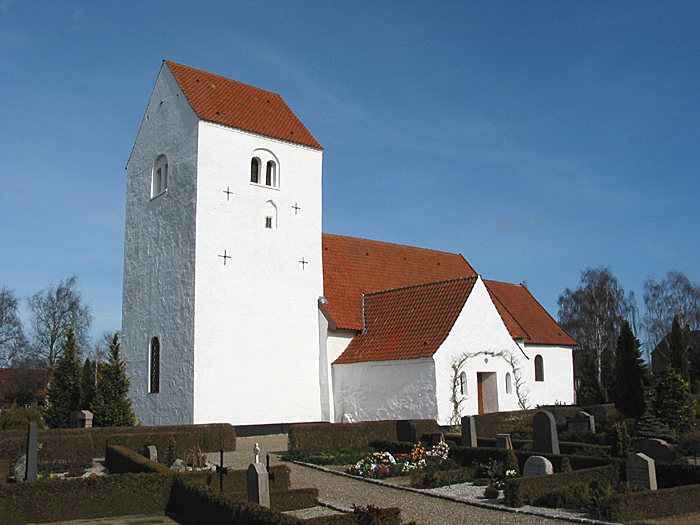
x=558, y=384
x=256, y=323
x=159, y=257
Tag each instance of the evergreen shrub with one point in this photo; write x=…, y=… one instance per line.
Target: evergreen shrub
x=313, y=437
x=524, y=491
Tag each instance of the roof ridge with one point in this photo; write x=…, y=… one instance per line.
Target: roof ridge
x=227, y=79
x=390, y=243
x=465, y=278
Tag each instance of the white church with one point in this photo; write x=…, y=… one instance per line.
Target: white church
x=237, y=308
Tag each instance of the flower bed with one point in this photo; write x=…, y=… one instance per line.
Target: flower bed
x=384, y=464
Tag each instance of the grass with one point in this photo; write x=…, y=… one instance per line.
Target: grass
x=345, y=456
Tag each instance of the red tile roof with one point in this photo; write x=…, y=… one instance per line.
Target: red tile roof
x=524, y=317
x=353, y=267
x=237, y=105
x=408, y=323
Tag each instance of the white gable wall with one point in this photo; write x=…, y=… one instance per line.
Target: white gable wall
x=159, y=257
x=479, y=327
x=256, y=322
x=558, y=384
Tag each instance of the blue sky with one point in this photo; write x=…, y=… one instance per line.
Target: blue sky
x=535, y=138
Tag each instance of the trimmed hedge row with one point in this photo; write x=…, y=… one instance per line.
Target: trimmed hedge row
x=123, y=460
x=650, y=504
x=210, y=437
x=51, y=500
x=392, y=516
x=565, y=447
x=236, y=481
x=669, y=475
x=523, y=491
x=55, y=453
x=184, y=441
x=314, y=437
x=283, y=501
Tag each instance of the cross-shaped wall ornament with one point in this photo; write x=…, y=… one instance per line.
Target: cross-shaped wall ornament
x=224, y=256
x=228, y=193
x=303, y=263
x=295, y=208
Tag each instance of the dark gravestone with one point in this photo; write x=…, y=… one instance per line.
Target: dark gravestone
x=406, y=431
x=641, y=471
x=504, y=441
x=580, y=421
x=468, y=431
x=656, y=449
x=436, y=438
x=258, y=484
x=32, y=448
x=544, y=433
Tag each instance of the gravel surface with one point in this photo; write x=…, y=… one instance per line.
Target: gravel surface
x=447, y=505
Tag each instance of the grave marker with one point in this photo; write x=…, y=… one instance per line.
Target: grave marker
x=537, y=466
x=179, y=466
x=406, y=431
x=544, y=433
x=151, y=453
x=656, y=449
x=641, y=471
x=32, y=451
x=258, y=484
x=469, y=431
x=20, y=469
x=580, y=421
x=504, y=441
x=436, y=438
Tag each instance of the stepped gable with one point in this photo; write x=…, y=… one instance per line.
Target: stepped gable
x=524, y=317
x=353, y=267
x=408, y=323
x=237, y=105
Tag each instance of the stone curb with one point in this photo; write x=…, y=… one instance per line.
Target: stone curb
x=489, y=506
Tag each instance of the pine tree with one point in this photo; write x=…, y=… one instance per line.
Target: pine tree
x=628, y=388
x=112, y=406
x=673, y=403
x=63, y=391
x=651, y=427
x=676, y=350
x=589, y=392
x=87, y=386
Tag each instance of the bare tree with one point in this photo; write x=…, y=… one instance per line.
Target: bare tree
x=12, y=338
x=593, y=314
x=55, y=310
x=672, y=297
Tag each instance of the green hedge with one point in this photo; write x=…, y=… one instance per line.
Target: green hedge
x=523, y=491
x=283, y=501
x=650, y=504
x=565, y=447
x=392, y=516
x=184, y=441
x=123, y=460
x=236, y=481
x=210, y=437
x=51, y=500
x=314, y=437
x=670, y=475
x=199, y=505
x=54, y=454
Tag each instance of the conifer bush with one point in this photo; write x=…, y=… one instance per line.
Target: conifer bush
x=63, y=391
x=673, y=403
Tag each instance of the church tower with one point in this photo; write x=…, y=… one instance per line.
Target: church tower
x=222, y=256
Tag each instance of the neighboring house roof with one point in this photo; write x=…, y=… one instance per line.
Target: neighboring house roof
x=408, y=323
x=237, y=105
x=353, y=267
x=660, y=355
x=524, y=317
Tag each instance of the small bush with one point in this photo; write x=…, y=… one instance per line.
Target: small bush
x=574, y=496
x=491, y=492
x=16, y=418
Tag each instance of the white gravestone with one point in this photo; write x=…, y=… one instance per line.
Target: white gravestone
x=537, y=466
x=641, y=471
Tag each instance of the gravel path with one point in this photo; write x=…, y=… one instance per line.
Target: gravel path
x=425, y=507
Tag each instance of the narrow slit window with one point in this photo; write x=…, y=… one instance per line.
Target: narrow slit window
x=159, y=178
x=255, y=170
x=270, y=178
x=463, y=384
x=154, y=367
x=539, y=368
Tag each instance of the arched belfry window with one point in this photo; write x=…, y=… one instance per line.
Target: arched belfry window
x=264, y=169
x=463, y=384
x=509, y=383
x=539, y=368
x=154, y=366
x=270, y=215
x=255, y=170
x=159, y=177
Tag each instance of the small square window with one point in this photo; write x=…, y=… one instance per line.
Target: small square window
x=268, y=223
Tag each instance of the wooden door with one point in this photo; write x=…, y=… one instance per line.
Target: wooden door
x=480, y=389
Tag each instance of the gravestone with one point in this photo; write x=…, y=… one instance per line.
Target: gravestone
x=406, y=431
x=504, y=441
x=641, y=471
x=544, y=433
x=469, y=431
x=537, y=466
x=436, y=438
x=599, y=412
x=151, y=453
x=20, y=469
x=32, y=451
x=580, y=421
x=81, y=419
x=656, y=449
x=179, y=466
x=258, y=484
